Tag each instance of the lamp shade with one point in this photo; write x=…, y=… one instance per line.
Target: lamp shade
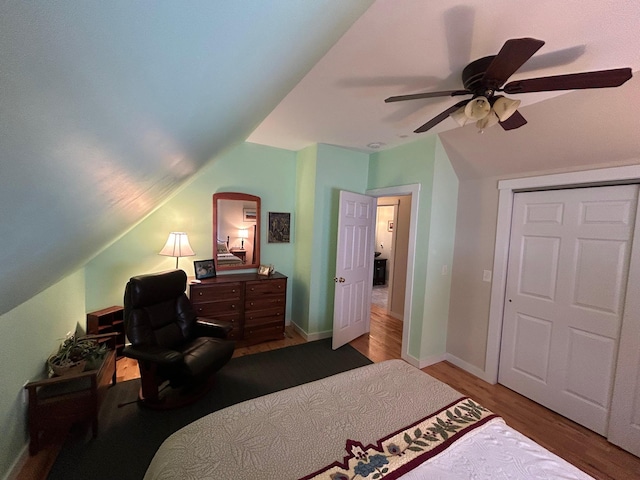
x=243, y=233
x=177, y=246
x=505, y=107
x=488, y=121
x=478, y=108
x=460, y=116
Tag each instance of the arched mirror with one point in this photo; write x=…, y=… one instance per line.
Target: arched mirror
x=236, y=231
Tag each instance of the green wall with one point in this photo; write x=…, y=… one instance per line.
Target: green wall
x=323, y=170
x=28, y=335
x=267, y=172
x=304, y=213
x=444, y=204
x=424, y=162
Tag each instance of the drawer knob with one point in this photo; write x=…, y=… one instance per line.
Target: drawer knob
x=251, y=304
x=200, y=293
x=233, y=306
x=233, y=291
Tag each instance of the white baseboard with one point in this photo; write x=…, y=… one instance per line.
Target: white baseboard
x=310, y=337
x=425, y=362
x=467, y=367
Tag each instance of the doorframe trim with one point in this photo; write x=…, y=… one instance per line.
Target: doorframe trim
x=507, y=189
x=414, y=191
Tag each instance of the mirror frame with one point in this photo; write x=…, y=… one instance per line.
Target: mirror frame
x=246, y=197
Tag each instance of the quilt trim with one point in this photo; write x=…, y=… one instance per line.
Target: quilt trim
x=400, y=452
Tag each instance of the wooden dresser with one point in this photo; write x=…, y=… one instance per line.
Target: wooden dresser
x=253, y=304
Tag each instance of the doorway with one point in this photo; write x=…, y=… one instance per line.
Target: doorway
x=400, y=264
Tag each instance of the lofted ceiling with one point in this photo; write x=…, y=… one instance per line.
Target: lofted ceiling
x=108, y=107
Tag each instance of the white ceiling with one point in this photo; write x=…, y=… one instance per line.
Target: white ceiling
x=409, y=46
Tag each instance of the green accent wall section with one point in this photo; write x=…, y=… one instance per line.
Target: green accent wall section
x=444, y=204
x=425, y=162
x=267, y=172
x=323, y=171
x=304, y=228
x=28, y=335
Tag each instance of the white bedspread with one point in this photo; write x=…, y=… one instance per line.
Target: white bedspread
x=295, y=432
x=496, y=452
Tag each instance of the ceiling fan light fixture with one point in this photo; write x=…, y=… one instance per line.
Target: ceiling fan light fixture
x=460, y=116
x=488, y=121
x=478, y=108
x=505, y=107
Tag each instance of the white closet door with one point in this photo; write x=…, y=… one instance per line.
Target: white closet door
x=624, y=423
x=566, y=282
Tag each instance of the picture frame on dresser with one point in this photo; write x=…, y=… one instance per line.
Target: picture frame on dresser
x=204, y=269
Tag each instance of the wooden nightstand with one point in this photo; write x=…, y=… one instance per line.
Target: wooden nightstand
x=58, y=402
x=240, y=253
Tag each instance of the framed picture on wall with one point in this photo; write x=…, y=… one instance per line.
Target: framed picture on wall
x=204, y=269
x=279, y=227
x=390, y=226
x=249, y=214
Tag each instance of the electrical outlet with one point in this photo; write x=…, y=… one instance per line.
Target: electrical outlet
x=445, y=270
x=486, y=275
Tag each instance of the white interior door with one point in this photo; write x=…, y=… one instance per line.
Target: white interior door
x=566, y=282
x=624, y=422
x=354, y=267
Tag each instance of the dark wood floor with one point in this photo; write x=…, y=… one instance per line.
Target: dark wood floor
x=581, y=447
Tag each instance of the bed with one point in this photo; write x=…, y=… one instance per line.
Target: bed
x=386, y=420
x=225, y=257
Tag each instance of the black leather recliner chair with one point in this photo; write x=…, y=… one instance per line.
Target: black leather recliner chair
x=169, y=342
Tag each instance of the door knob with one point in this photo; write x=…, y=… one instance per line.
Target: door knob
x=341, y=280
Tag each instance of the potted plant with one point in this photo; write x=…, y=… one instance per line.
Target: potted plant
x=75, y=354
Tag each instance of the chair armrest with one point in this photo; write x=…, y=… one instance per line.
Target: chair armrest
x=213, y=328
x=153, y=353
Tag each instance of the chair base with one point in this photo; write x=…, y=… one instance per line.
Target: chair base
x=170, y=398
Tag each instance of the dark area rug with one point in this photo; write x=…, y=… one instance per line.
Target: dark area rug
x=129, y=436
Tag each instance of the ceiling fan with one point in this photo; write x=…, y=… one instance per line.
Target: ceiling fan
x=484, y=79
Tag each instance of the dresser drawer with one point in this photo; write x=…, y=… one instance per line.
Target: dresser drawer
x=214, y=293
x=265, y=287
x=260, y=317
x=263, y=302
x=262, y=333
x=217, y=308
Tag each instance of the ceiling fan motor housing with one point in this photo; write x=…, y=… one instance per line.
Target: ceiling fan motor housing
x=473, y=74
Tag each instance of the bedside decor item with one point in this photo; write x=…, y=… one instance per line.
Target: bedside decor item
x=242, y=234
x=177, y=246
x=204, y=269
x=279, y=227
x=265, y=270
x=74, y=354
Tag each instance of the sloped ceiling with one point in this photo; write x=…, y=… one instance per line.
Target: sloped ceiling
x=106, y=107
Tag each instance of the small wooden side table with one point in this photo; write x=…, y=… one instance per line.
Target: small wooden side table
x=58, y=402
x=240, y=253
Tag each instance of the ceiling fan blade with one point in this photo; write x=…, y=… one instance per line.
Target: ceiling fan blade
x=513, y=54
x=440, y=117
x=572, y=81
x=416, y=96
x=516, y=120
